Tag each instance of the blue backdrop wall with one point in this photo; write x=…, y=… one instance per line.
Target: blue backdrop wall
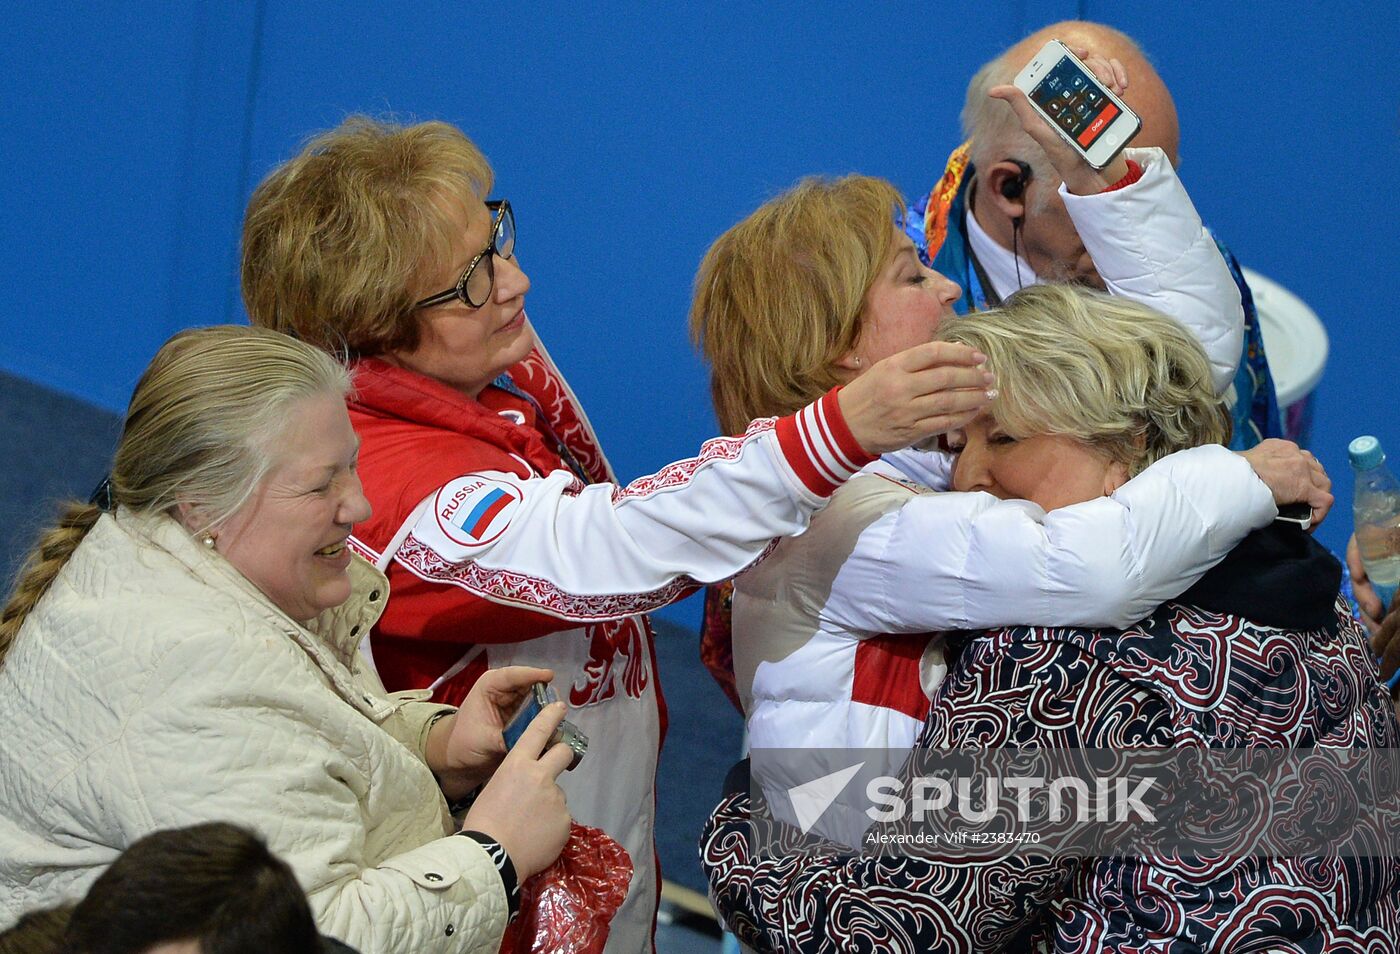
x=627, y=137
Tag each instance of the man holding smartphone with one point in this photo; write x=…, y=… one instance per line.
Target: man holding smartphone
x=999, y=219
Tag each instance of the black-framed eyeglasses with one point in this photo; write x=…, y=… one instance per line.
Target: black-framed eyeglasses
x=479, y=277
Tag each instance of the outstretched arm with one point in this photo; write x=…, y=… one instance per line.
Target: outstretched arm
x=952, y=561
x=599, y=552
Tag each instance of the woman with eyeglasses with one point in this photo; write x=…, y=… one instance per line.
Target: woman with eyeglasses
x=496, y=515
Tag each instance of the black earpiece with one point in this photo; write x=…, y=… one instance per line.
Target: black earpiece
x=1015, y=187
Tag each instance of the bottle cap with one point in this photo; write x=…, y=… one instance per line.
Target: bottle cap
x=1365, y=453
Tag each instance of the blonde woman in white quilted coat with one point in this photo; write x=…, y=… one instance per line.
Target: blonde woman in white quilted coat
x=187, y=651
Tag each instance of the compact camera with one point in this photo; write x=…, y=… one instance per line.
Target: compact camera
x=568, y=733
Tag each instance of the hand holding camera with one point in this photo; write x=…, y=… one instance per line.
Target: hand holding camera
x=512, y=731
x=522, y=806
x=464, y=748
x=540, y=698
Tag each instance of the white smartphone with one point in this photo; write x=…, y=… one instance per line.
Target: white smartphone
x=1070, y=98
x=1299, y=513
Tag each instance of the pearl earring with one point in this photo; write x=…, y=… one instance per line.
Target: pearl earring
x=208, y=540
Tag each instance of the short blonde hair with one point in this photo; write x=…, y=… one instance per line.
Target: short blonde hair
x=779, y=297
x=1107, y=371
x=201, y=430
x=335, y=240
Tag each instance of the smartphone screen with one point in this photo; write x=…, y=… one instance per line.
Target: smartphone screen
x=1075, y=102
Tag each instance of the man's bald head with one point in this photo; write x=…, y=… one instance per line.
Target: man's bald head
x=992, y=127
x=1031, y=219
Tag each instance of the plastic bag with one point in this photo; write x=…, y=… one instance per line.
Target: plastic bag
x=717, y=639
x=567, y=907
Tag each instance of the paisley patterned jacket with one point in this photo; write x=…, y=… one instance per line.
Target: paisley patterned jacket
x=1259, y=654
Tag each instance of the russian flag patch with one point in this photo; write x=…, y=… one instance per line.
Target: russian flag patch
x=474, y=511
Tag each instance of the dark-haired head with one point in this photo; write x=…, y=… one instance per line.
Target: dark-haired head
x=214, y=888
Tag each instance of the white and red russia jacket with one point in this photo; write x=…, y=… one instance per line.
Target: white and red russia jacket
x=499, y=524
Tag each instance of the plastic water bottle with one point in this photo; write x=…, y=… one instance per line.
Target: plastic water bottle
x=1376, y=510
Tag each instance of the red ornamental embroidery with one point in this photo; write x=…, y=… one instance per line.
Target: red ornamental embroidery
x=682, y=471
x=536, y=377
x=519, y=589
x=606, y=642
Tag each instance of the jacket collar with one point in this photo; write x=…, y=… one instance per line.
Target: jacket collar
x=386, y=390
x=381, y=386
x=331, y=639
x=343, y=627
x=1278, y=576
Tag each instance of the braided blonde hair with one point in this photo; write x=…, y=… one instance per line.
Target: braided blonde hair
x=201, y=431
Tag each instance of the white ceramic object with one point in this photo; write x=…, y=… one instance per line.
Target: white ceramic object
x=1294, y=339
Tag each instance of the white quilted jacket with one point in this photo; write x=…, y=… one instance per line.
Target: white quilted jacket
x=154, y=687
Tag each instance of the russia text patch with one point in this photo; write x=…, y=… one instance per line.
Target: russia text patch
x=473, y=511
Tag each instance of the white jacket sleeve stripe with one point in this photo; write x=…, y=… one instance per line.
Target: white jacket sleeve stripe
x=808, y=428
x=819, y=446
x=812, y=445
x=829, y=437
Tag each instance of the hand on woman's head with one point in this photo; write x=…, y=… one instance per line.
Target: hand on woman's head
x=916, y=394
